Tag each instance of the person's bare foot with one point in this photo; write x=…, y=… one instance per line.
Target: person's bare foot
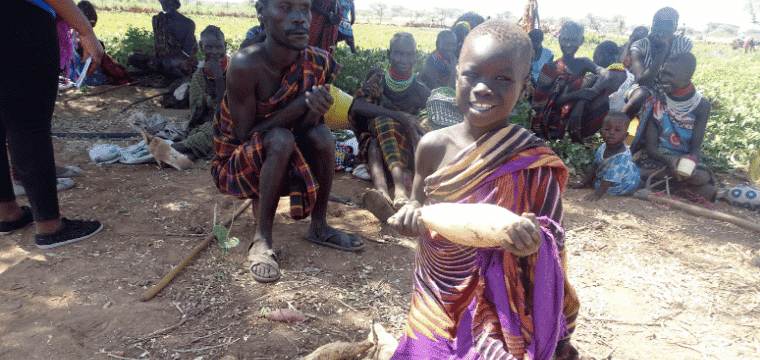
x=400, y=198
x=263, y=262
x=378, y=204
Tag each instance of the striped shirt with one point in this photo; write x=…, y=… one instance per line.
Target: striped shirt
x=681, y=44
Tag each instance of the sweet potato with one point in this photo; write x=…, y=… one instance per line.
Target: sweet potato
x=286, y=315
x=477, y=225
x=340, y=351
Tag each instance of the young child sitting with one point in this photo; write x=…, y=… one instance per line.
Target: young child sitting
x=613, y=171
x=476, y=302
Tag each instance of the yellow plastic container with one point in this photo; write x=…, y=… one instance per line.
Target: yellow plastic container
x=336, y=118
x=633, y=127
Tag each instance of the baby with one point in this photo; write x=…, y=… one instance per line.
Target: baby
x=613, y=171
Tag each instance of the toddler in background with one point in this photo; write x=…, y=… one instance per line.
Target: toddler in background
x=613, y=171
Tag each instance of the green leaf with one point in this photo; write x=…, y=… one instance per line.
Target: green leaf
x=221, y=233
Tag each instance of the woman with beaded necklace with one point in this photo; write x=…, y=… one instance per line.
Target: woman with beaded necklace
x=384, y=115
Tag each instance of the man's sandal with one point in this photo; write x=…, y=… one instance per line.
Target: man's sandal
x=267, y=258
x=346, y=242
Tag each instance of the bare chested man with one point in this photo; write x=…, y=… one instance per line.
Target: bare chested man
x=269, y=135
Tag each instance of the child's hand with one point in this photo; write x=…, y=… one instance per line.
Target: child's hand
x=319, y=99
x=407, y=220
x=525, y=235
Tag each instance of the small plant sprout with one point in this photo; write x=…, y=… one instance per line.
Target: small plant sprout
x=223, y=235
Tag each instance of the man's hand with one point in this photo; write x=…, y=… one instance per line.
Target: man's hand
x=524, y=234
x=407, y=220
x=319, y=99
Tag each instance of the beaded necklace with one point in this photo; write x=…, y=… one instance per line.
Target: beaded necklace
x=616, y=66
x=398, y=83
x=684, y=106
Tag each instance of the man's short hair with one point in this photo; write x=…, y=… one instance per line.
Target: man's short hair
x=572, y=28
x=536, y=35
x=686, y=61
x=212, y=30
x=88, y=9
x=401, y=36
x=506, y=33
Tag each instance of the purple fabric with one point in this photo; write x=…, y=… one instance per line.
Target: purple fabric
x=64, y=42
x=548, y=293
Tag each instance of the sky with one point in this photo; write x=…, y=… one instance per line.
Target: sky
x=694, y=13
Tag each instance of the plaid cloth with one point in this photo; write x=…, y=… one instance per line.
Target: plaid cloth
x=550, y=119
x=236, y=167
x=394, y=139
x=322, y=33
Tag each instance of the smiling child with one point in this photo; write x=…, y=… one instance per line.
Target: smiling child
x=469, y=302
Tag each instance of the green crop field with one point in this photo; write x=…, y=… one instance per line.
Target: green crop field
x=729, y=78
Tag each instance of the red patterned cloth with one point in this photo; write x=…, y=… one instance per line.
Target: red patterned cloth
x=236, y=167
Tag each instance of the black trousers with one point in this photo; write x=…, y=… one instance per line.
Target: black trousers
x=28, y=88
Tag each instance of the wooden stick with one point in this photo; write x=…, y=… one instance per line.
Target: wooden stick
x=696, y=210
x=210, y=237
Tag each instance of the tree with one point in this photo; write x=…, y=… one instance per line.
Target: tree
x=397, y=10
x=505, y=15
x=379, y=9
x=619, y=23
x=593, y=22
x=752, y=7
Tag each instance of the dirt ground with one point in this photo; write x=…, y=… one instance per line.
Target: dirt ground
x=654, y=283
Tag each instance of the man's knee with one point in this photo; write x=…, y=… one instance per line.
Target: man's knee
x=279, y=141
x=320, y=138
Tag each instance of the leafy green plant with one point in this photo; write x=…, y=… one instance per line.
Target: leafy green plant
x=135, y=39
x=223, y=236
x=577, y=157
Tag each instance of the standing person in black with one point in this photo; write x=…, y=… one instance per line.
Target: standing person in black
x=28, y=88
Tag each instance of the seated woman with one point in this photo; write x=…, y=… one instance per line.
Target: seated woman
x=384, y=115
x=650, y=53
x=561, y=84
x=674, y=128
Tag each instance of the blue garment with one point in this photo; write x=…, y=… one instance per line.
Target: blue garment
x=95, y=79
x=618, y=169
x=345, y=24
x=253, y=32
x=546, y=56
x=44, y=6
